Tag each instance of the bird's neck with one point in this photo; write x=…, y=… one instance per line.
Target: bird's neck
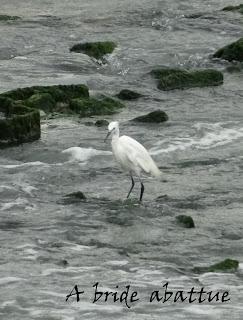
x=115, y=136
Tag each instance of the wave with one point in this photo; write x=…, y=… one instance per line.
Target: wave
x=12, y=166
x=17, y=203
x=207, y=136
x=8, y=280
x=83, y=154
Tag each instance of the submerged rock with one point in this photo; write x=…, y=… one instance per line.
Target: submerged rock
x=194, y=15
x=20, y=124
x=235, y=67
x=102, y=123
x=228, y=265
x=5, y=17
x=73, y=197
x=238, y=8
x=128, y=95
x=170, y=79
x=88, y=123
x=63, y=263
x=94, y=49
x=156, y=116
x=231, y=52
x=185, y=221
x=95, y=106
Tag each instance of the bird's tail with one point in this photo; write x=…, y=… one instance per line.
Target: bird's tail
x=155, y=171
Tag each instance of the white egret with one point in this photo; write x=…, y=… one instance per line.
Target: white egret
x=131, y=155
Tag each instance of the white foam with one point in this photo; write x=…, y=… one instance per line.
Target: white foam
x=8, y=303
x=17, y=202
x=8, y=280
x=83, y=154
x=207, y=136
x=240, y=266
x=28, y=189
x=79, y=247
x=26, y=245
x=5, y=187
x=117, y=263
x=205, y=310
x=11, y=166
x=21, y=58
x=50, y=271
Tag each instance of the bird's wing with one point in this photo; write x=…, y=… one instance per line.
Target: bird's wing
x=138, y=155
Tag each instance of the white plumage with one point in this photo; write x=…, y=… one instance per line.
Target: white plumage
x=131, y=155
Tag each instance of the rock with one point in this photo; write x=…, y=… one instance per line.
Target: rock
x=64, y=99
x=88, y=123
x=21, y=124
x=61, y=93
x=156, y=116
x=194, y=15
x=20, y=119
x=228, y=265
x=128, y=95
x=231, y=52
x=63, y=263
x=185, y=221
x=4, y=17
x=234, y=68
x=102, y=123
x=170, y=79
x=95, y=106
x=73, y=197
x=43, y=101
x=94, y=49
x=76, y=195
x=238, y=8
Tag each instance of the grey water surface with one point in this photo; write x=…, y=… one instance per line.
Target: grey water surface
x=47, y=245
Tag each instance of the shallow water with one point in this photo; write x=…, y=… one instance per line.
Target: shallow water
x=48, y=246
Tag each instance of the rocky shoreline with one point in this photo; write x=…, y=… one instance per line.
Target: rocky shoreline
x=20, y=108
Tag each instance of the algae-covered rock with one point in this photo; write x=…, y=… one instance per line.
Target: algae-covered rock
x=64, y=99
x=43, y=101
x=21, y=124
x=95, y=106
x=94, y=49
x=228, y=265
x=231, y=52
x=128, y=95
x=185, y=221
x=238, y=8
x=170, y=79
x=156, y=116
x=5, y=17
x=19, y=109
x=102, y=123
x=59, y=92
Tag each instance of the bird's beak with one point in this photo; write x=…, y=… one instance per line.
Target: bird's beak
x=107, y=136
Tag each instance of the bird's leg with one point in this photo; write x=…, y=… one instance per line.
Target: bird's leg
x=133, y=183
x=142, y=190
